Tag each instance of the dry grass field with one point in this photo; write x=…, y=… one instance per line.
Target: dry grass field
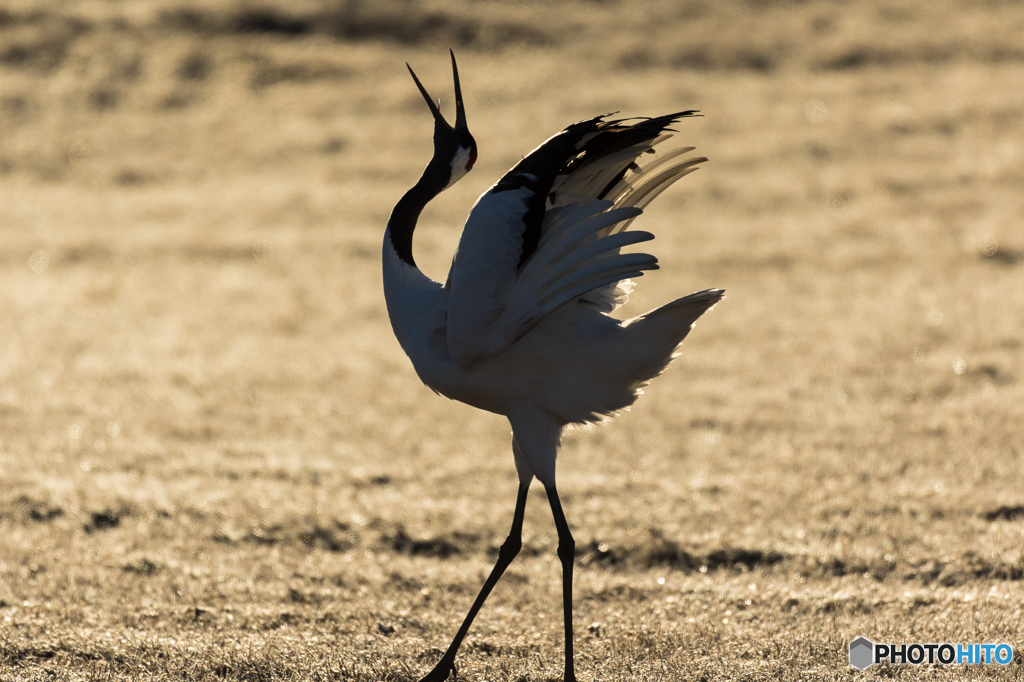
x=216, y=462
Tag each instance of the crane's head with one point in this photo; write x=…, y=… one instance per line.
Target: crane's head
x=454, y=147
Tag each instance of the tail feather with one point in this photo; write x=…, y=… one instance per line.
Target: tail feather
x=660, y=331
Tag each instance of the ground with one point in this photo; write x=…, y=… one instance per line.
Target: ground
x=216, y=462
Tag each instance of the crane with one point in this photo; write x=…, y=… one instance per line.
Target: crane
x=521, y=327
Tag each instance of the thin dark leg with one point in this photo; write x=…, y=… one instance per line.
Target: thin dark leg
x=508, y=551
x=566, y=554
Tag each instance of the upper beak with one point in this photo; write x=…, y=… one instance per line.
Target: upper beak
x=460, y=109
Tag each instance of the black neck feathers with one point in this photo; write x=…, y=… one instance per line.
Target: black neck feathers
x=402, y=222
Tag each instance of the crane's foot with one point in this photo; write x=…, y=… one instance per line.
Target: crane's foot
x=441, y=671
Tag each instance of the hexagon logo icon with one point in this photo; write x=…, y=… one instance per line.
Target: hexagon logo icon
x=861, y=653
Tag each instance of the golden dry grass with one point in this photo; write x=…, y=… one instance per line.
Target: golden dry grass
x=215, y=462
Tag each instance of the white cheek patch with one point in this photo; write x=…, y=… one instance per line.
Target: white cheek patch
x=460, y=163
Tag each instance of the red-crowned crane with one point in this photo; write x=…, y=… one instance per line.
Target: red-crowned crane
x=521, y=327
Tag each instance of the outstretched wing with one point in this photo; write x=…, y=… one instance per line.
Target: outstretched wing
x=551, y=231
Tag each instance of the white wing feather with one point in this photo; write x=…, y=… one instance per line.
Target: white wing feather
x=483, y=272
x=491, y=305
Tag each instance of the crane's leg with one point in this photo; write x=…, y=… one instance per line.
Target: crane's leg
x=566, y=554
x=508, y=551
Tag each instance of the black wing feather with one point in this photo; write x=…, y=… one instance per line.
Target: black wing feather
x=569, y=151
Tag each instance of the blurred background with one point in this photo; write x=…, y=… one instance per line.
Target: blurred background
x=195, y=358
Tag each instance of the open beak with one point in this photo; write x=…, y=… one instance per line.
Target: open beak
x=460, y=110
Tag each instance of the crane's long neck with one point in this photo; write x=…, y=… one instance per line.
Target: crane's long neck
x=409, y=293
x=402, y=222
